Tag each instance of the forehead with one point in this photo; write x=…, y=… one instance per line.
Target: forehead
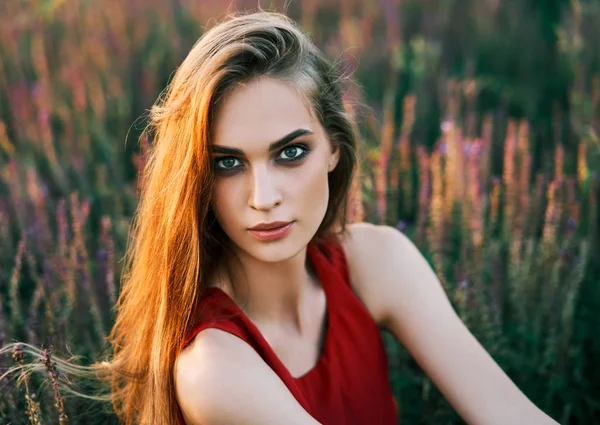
x=260, y=112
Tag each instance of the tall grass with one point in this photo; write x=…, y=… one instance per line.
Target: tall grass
x=506, y=213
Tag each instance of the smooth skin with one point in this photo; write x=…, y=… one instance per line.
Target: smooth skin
x=220, y=379
x=405, y=296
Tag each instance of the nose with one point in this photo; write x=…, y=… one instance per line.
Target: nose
x=264, y=192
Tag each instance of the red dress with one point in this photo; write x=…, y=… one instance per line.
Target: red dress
x=349, y=385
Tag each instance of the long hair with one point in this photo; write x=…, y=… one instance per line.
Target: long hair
x=175, y=240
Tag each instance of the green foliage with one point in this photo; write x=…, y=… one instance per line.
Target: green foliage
x=483, y=145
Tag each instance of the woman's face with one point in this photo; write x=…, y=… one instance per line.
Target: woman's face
x=271, y=159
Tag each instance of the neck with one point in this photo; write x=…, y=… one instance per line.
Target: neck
x=272, y=293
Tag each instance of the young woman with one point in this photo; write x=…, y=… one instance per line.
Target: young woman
x=247, y=298
x=295, y=338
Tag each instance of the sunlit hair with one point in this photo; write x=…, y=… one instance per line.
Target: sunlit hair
x=175, y=238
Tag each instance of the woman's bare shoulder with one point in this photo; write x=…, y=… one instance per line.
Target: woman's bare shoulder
x=365, y=246
x=220, y=379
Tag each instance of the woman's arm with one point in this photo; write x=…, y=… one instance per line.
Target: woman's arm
x=221, y=380
x=399, y=287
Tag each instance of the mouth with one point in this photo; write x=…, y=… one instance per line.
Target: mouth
x=272, y=233
x=270, y=226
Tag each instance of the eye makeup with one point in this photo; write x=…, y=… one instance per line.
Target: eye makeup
x=227, y=164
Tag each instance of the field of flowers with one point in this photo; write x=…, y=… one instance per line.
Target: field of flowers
x=480, y=139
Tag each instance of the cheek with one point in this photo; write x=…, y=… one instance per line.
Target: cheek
x=222, y=202
x=315, y=190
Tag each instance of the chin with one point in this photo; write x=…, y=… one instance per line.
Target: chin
x=278, y=250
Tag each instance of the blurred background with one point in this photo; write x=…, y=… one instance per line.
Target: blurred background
x=480, y=139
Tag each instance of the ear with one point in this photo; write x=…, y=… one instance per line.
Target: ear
x=334, y=158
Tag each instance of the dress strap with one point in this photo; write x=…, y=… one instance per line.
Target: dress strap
x=217, y=310
x=332, y=251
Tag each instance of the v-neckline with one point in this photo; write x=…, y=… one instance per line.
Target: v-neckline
x=315, y=257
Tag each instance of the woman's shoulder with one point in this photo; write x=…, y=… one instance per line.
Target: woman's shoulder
x=219, y=378
x=370, y=251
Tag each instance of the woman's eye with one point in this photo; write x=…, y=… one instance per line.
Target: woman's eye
x=226, y=163
x=292, y=152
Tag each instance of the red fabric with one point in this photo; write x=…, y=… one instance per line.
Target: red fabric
x=349, y=385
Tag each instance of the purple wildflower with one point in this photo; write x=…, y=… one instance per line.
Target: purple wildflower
x=402, y=226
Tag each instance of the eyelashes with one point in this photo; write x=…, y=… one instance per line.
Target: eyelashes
x=289, y=155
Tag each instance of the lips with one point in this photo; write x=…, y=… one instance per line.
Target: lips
x=271, y=234
x=270, y=226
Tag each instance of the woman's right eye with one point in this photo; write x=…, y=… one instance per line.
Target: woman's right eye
x=226, y=163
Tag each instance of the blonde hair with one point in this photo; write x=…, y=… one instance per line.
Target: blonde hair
x=175, y=239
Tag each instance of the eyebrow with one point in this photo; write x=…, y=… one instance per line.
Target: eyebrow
x=272, y=147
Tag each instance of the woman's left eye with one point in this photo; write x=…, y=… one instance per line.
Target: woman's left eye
x=293, y=153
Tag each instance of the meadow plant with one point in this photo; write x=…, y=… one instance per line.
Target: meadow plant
x=506, y=214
